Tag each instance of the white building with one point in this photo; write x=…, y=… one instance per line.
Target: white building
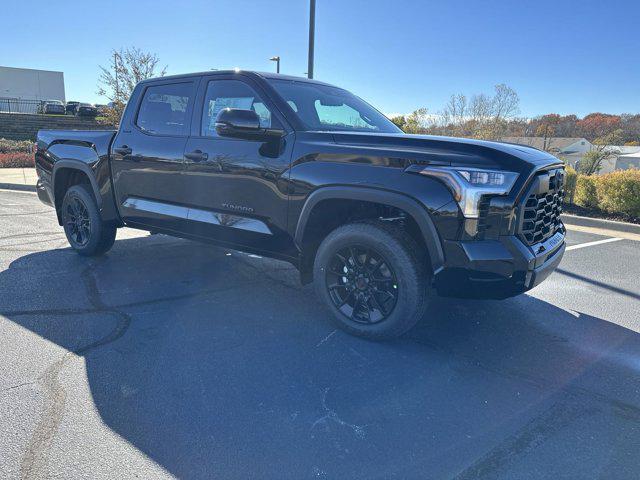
x=621, y=158
x=28, y=84
x=627, y=161
x=570, y=149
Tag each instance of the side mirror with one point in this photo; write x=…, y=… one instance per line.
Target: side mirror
x=237, y=123
x=233, y=122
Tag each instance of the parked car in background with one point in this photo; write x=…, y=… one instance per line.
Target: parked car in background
x=87, y=110
x=101, y=109
x=72, y=108
x=52, y=107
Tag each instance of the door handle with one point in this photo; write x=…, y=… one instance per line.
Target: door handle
x=123, y=150
x=196, y=156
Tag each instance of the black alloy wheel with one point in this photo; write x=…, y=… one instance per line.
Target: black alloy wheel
x=373, y=278
x=77, y=221
x=362, y=284
x=86, y=232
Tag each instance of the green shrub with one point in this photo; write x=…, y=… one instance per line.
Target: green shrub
x=570, y=178
x=619, y=192
x=15, y=146
x=586, y=194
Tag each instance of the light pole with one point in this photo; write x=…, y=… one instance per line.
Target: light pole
x=277, y=60
x=312, y=33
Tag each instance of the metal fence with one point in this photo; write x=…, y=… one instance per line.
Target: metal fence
x=19, y=105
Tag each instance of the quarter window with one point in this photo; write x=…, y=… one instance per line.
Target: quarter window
x=164, y=109
x=231, y=94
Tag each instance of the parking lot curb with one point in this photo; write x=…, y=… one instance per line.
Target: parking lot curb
x=600, y=223
x=17, y=186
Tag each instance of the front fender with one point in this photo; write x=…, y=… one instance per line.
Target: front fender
x=403, y=202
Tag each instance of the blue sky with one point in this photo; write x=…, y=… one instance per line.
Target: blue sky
x=560, y=56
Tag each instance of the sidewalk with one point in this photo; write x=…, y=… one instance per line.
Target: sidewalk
x=18, y=178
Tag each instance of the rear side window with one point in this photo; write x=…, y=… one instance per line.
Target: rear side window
x=164, y=109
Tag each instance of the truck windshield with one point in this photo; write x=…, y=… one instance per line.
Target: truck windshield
x=323, y=107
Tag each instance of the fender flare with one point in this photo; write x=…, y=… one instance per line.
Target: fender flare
x=403, y=202
x=83, y=167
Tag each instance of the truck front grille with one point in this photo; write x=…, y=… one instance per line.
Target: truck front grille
x=483, y=214
x=542, y=207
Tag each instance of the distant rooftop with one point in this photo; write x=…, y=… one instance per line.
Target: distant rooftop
x=624, y=149
x=543, y=143
x=30, y=69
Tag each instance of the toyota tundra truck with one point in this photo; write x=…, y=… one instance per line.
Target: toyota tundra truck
x=308, y=173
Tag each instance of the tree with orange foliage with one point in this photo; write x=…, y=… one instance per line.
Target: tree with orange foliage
x=598, y=125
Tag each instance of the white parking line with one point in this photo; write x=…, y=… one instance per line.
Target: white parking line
x=590, y=244
x=9, y=190
x=604, y=232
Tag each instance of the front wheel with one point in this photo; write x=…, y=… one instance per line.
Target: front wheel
x=372, y=278
x=86, y=232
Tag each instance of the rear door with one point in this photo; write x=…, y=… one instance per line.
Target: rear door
x=148, y=155
x=238, y=187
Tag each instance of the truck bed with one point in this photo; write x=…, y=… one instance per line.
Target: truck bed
x=98, y=140
x=68, y=151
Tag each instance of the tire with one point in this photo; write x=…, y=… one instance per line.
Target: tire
x=369, y=263
x=86, y=232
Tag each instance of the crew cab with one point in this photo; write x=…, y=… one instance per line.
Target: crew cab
x=308, y=173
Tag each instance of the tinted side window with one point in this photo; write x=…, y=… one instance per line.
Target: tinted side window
x=230, y=94
x=164, y=109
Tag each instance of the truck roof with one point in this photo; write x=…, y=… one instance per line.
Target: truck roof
x=264, y=75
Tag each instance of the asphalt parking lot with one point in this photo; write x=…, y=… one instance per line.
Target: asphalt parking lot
x=169, y=358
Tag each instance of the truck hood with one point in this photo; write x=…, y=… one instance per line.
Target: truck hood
x=435, y=150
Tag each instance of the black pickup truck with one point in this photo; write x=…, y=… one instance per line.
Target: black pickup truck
x=309, y=173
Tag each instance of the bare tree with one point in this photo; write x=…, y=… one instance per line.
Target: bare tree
x=481, y=108
x=117, y=81
x=455, y=114
x=505, y=102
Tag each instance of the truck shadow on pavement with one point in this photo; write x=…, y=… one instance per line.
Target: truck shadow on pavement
x=217, y=363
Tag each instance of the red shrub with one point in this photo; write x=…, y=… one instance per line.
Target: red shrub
x=16, y=159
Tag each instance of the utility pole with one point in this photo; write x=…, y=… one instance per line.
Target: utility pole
x=312, y=33
x=116, y=56
x=277, y=60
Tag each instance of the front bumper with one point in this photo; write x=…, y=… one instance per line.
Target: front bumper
x=499, y=268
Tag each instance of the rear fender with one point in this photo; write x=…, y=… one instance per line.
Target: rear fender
x=76, y=165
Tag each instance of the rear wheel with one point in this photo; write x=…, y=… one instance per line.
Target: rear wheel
x=371, y=279
x=86, y=232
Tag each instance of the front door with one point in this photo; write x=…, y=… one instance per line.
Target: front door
x=237, y=187
x=148, y=156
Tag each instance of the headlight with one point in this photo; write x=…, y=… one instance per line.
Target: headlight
x=468, y=185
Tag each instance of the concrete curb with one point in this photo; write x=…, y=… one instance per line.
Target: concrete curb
x=600, y=223
x=16, y=186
